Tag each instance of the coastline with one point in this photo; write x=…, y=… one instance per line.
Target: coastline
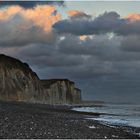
x=25, y=120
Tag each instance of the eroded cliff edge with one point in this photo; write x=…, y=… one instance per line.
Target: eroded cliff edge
x=19, y=83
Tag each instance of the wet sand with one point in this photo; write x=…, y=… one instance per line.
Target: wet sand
x=22, y=120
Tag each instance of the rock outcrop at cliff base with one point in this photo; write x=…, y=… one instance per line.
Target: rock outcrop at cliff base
x=19, y=83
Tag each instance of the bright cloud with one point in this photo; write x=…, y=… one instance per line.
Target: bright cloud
x=21, y=26
x=133, y=17
x=43, y=16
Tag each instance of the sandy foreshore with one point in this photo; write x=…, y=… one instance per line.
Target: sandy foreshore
x=21, y=120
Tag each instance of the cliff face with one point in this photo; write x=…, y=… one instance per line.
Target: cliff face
x=62, y=91
x=19, y=83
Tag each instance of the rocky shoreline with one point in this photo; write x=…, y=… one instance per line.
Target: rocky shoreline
x=22, y=120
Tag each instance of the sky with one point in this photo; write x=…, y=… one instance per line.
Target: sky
x=95, y=44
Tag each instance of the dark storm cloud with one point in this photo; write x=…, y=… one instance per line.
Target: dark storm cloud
x=57, y=60
x=129, y=28
x=105, y=23
x=131, y=43
x=76, y=72
x=29, y=4
x=101, y=46
x=47, y=56
x=101, y=24
x=94, y=45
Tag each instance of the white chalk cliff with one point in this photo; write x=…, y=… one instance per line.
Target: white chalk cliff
x=19, y=83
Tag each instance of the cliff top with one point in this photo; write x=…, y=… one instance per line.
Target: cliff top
x=10, y=62
x=48, y=82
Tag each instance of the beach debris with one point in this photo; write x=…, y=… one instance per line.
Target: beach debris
x=31, y=128
x=138, y=134
x=114, y=136
x=92, y=127
x=6, y=118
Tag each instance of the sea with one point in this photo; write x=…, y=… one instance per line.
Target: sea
x=121, y=114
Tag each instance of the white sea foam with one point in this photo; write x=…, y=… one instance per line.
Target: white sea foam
x=124, y=114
